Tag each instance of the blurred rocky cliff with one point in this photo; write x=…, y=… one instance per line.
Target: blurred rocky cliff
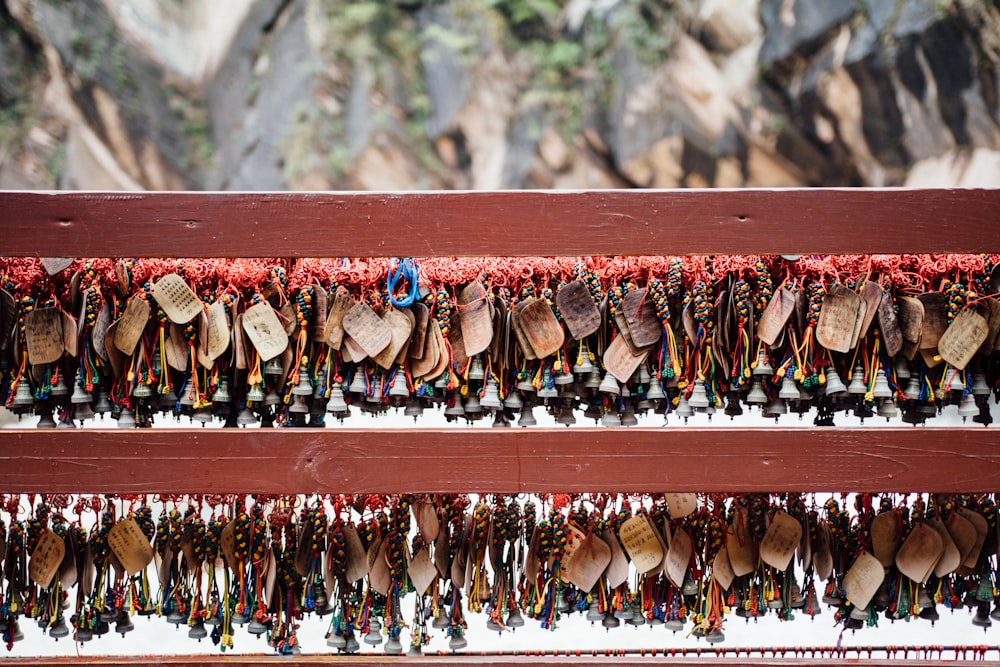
x=402, y=94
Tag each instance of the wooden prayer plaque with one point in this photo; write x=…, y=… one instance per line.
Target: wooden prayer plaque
x=578, y=309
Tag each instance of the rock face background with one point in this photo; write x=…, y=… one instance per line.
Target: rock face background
x=402, y=94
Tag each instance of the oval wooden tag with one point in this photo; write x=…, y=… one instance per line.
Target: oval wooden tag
x=367, y=329
x=177, y=300
x=43, y=331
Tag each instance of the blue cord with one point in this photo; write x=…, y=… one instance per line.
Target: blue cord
x=406, y=270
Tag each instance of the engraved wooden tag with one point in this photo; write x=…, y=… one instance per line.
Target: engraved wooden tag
x=400, y=327
x=777, y=312
x=218, y=331
x=99, y=333
x=367, y=329
x=740, y=548
x=837, y=319
x=477, y=321
x=888, y=324
x=334, y=331
x=823, y=557
x=911, y=318
x=541, y=328
x=130, y=545
x=70, y=339
x=617, y=571
x=421, y=570
x=131, y=325
x=515, y=325
x=418, y=340
x=920, y=553
x=982, y=528
x=620, y=361
x=961, y=340
x=320, y=307
x=681, y=504
x=46, y=558
x=871, y=293
x=265, y=331
x=643, y=324
x=678, y=558
x=8, y=318
x=862, y=581
x=578, y=310
x=935, y=319
x=722, y=569
x=641, y=544
x=357, y=560
x=589, y=562
x=43, y=329
x=54, y=265
x=886, y=532
x=780, y=540
x=177, y=300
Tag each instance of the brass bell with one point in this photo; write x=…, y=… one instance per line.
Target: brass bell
x=457, y=642
x=610, y=621
x=80, y=395
x=187, y=400
x=902, y=368
x=374, y=636
x=493, y=626
x=472, y=404
x=352, y=645
x=637, y=618
x=142, y=390
x=273, y=367
x=527, y=417
x=564, y=377
x=83, y=635
x=776, y=408
x=24, y=396
x=102, y=405
x=500, y=420
x=715, y=636
x=202, y=415
x=336, y=640
x=126, y=419
x=593, y=380
x=176, y=617
x=513, y=401
x=583, y=365
x=440, y=622
x=168, y=402
x=566, y=417
x=628, y=417
x=415, y=650
x=676, y=625
x=414, y=408
x=255, y=627
x=982, y=617
x=757, y=396
x=611, y=419
x=655, y=391
x=524, y=386
x=299, y=404
x=124, y=624
x=66, y=422
x=912, y=391
x=455, y=409
x=547, y=390
x=887, y=408
x=859, y=613
x=272, y=398
x=514, y=619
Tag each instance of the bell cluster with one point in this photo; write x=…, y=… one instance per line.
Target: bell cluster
x=607, y=342
x=81, y=568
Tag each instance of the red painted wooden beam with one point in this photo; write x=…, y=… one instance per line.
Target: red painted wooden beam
x=339, y=460
x=508, y=223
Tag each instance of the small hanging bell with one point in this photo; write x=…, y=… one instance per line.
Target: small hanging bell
x=102, y=405
x=594, y=613
x=398, y=391
x=655, y=391
x=273, y=367
x=699, y=397
x=566, y=417
x=336, y=640
x=414, y=408
x=776, y=408
x=83, y=635
x=513, y=401
x=611, y=419
x=255, y=627
x=982, y=617
x=491, y=396
x=45, y=420
x=303, y=388
x=476, y=370
x=684, y=408
x=59, y=630
x=763, y=366
x=374, y=636
x=902, y=368
x=23, y=397
x=957, y=381
x=643, y=374
x=246, y=417
x=565, y=376
x=527, y=417
x=472, y=405
x=272, y=398
x=457, y=642
x=336, y=406
x=887, y=408
x=142, y=390
x=358, y=384
x=256, y=393
x=912, y=391
x=126, y=419
x=546, y=391
x=167, y=402
x=610, y=621
x=859, y=613
x=609, y=385
x=881, y=388
x=967, y=407
x=352, y=645
x=59, y=388
x=80, y=395
x=202, y=416
x=715, y=636
x=593, y=380
x=628, y=416
x=221, y=394
x=583, y=365
x=514, y=619
x=676, y=625
x=789, y=391
x=187, y=400
x=440, y=622
x=500, y=419
x=394, y=646
x=979, y=384
x=834, y=385
x=757, y=396
x=857, y=386
x=455, y=409
x=415, y=650
x=493, y=626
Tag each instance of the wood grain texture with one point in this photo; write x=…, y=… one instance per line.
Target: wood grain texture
x=338, y=460
x=708, y=657
x=509, y=223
